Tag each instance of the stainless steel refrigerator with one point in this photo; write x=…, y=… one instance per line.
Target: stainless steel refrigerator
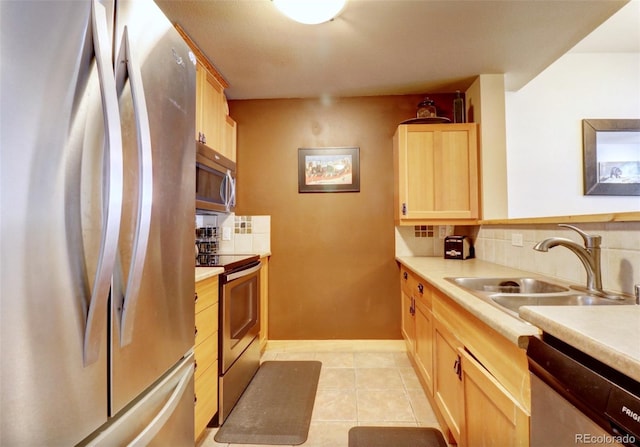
x=97, y=219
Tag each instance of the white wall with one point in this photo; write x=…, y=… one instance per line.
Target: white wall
x=544, y=132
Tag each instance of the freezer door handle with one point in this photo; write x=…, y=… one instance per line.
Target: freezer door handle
x=153, y=410
x=97, y=313
x=129, y=67
x=151, y=430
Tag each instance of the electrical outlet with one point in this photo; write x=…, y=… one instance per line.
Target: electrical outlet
x=226, y=233
x=442, y=231
x=516, y=240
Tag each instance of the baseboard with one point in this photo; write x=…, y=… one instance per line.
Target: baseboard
x=336, y=346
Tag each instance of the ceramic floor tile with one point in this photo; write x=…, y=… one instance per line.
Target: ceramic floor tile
x=421, y=408
x=335, y=405
x=378, y=379
x=329, y=434
x=402, y=360
x=374, y=360
x=207, y=439
x=336, y=359
x=284, y=356
x=357, y=388
x=387, y=424
x=337, y=378
x=384, y=405
x=410, y=379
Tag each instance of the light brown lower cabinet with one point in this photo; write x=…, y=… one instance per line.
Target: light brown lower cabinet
x=424, y=342
x=447, y=391
x=408, y=322
x=476, y=380
x=206, y=353
x=491, y=416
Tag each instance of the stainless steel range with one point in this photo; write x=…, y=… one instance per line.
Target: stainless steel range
x=239, y=325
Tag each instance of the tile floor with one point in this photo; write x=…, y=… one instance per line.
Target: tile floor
x=357, y=388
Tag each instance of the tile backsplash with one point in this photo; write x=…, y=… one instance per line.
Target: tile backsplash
x=421, y=240
x=500, y=244
x=241, y=234
x=620, y=251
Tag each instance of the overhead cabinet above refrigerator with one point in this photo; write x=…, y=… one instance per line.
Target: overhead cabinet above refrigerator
x=97, y=193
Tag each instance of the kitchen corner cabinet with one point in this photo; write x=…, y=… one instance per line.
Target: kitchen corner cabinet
x=206, y=353
x=214, y=127
x=477, y=380
x=436, y=177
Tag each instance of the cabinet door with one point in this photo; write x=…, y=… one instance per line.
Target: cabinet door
x=212, y=112
x=200, y=72
x=424, y=343
x=408, y=322
x=206, y=399
x=491, y=416
x=206, y=352
x=448, y=390
x=230, y=138
x=437, y=172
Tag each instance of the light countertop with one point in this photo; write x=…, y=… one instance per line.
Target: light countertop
x=610, y=334
x=207, y=272
x=435, y=270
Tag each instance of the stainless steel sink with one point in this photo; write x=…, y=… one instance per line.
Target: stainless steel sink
x=514, y=302
x=509, y=294
x=508, y=285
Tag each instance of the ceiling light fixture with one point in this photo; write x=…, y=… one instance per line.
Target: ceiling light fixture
x=310, y=12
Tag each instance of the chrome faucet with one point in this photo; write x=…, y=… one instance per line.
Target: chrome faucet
x=589, y=255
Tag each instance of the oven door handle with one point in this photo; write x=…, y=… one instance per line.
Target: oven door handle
x=242, y=273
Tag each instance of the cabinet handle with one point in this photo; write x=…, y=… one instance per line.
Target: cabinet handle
x=405, y=275
x=412, y=309
x=420, y=289
x=457, y=367
x=404, y=209
x=196, y=297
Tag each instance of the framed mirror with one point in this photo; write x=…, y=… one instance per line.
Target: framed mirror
x=611, y=157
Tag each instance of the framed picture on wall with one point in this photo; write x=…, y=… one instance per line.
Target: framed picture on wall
x=329, y=169
x=611, y=156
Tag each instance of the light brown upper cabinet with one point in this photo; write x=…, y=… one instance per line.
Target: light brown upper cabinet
x=214, y=127
x=436, y=174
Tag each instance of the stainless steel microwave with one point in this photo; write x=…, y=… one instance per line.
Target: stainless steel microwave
x=215, y=181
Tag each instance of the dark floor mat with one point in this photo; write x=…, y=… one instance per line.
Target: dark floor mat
x=276, y=407
x=395, y=437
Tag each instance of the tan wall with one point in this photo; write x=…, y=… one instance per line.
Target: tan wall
x=332, y=272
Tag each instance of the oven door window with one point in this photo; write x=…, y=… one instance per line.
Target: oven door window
x=243, y=310
x=210, y=184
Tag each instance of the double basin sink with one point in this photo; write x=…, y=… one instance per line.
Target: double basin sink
x=509, y=294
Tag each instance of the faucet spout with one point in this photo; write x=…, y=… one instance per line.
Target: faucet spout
x=589, y=255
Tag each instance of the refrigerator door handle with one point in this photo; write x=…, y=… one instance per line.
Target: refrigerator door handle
x=129, y=67
x=97, y=313
x=151, y=430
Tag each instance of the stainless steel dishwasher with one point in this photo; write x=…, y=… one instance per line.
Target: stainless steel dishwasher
x=578, y=400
